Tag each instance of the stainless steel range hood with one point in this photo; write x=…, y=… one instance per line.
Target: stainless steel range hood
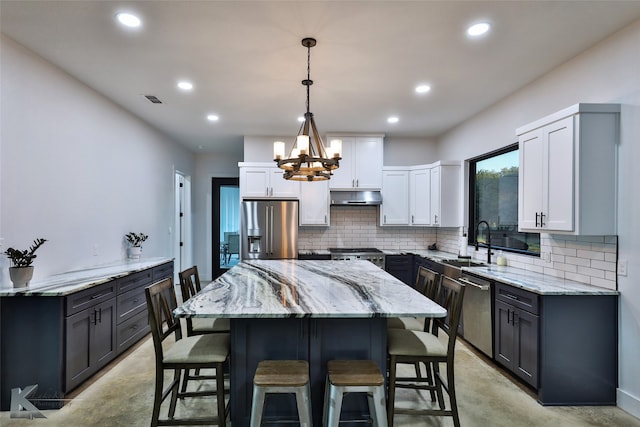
x=356, y=198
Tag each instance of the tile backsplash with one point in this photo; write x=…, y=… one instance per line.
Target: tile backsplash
x=586, y=259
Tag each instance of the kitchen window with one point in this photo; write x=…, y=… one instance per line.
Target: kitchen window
x=493, y=197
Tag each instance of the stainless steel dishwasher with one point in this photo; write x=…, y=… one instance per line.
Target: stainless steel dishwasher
x=477, y=314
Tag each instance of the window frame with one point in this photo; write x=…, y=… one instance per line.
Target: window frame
x=471, y=233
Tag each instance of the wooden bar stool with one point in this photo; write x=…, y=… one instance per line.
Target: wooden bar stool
x=354, y=376
x=282, y=376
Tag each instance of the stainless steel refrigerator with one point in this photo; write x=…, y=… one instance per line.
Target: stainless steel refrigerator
x=269, y=229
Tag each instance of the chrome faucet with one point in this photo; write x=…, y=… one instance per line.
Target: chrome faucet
x=488, y=239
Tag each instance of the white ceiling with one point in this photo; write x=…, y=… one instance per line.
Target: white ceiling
x=246, y=61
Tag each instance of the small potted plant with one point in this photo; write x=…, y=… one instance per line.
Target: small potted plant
x=21, y=271
x=135, y=241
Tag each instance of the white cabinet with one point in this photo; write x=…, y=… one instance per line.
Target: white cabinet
x=445, y=201
x=567, y=173
x=314, y=203
x=432, y=199
x=395, y=197
x=419, y=196
x=361, y=164
x=259, y=180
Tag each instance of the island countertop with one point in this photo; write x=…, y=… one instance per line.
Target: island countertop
x=294, y=288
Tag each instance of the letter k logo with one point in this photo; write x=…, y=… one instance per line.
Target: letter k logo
x=21, y=407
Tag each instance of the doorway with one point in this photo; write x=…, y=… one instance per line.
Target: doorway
x=226, y=224
x=182, y=224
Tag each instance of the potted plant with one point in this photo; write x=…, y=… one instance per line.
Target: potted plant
x=135, y=241
x=21, y=271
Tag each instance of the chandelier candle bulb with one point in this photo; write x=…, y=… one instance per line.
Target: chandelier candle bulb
x=336, y=148
x=278, y=150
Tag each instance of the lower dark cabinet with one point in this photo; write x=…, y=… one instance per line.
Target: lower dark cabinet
x=563, y=345
x=90, y=341
x=400, y=267
x=57, y=342
x=516, y=341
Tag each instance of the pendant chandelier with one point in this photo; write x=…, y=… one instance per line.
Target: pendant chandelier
x=308, y=159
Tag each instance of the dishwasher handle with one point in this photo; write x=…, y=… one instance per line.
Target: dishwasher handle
x=475, y=285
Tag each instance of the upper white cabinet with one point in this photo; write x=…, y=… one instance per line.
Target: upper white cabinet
x=445, y=202
x=567, y=173
x=419, y=196
x=361, y=164
x=264, y=180
x=395, y=196
x=314, y=203
x=423, y=195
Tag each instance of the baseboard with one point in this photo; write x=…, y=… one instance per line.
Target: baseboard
x=628, y=403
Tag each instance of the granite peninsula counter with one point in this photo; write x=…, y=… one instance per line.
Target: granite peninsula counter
x=310, y=310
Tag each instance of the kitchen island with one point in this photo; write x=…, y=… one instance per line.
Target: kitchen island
x=310, y=310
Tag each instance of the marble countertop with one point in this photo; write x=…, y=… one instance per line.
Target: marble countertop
x=532, y=281
x=294, y=288
x=537, y=283
x=73, y=281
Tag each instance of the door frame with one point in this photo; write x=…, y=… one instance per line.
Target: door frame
x=216, y=183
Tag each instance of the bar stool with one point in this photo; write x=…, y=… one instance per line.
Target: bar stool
x=354, y=376
x=282, y=376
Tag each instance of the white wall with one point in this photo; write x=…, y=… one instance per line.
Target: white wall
x=78, y=170
x=410, y=151
x=207, y=166
x=610, y=73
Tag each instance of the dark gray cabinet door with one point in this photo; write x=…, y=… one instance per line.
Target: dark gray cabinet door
x=526, y=349
x=400, y=267
x=90, y=342
x=516, y=341
x=504, y=335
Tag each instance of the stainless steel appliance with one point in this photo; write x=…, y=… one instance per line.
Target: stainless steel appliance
x=269, y=229
x=374, y=255
x=476, y=312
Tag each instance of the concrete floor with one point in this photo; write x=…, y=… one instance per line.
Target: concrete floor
x=122, y=395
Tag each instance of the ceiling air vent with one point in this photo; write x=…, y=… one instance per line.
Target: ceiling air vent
x=153, y=99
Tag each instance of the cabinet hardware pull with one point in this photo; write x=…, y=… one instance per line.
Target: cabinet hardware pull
x=100, y=315
x=542, y=219
x=357, y=183
x=96, y=296
x=435, y=219
x=385, y=219
x=513, y=297
x=412, y=220
x=537, y=219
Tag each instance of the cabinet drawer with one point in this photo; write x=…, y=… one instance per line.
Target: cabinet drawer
x=134, y=280
x=519, y=298
x=132, y=330
x=82, y=300
x=131, y=303
x=162, y=271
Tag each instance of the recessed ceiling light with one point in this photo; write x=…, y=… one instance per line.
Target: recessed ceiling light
x=478, y=29
x=423, y=88
x=213, y=118
x=393, y=119
x=184, y=85
x=128, y=19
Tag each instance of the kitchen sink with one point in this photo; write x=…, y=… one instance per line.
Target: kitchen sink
x=462, y=263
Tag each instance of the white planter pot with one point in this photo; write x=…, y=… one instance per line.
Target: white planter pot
x=135, y=252
x=20, y=276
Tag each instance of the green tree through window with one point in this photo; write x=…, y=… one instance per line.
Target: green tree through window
x=494, y=198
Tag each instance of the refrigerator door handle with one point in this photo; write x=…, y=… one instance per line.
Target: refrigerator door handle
x=271, y=232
